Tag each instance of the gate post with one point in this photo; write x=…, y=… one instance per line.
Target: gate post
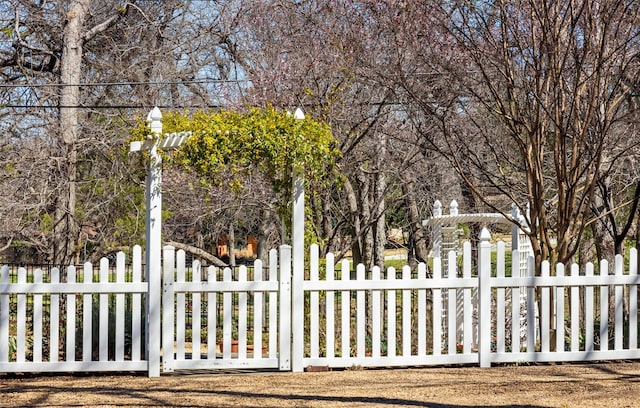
x=153, y=228
x=153, y=246
x=285, y=308
x=484, y=299
x=297, y=292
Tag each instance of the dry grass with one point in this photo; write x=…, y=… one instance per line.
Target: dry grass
x=575, y=385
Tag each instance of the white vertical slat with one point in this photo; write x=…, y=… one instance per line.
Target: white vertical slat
x=4, y=317
x=273, y=305
x=406, y=313
x=120, y=312
x=227, y=317
x=330, y=312
x=21, y=321
x=619, y=306
x=484, y=299
x=376, y=316
x=391, y=315
x=70, y=351
x=531, y=309
x=633, y=300
x=104, y=312
x=168, y=307
x=515, y=303
x=136, y=305
x=257, y=311
x=361, y=312
x=196, y=312
x=500, y=300
x=54, y=319
x=212, y=314
x=242, y=315
x=87, y=315
x=452, y=303
x=285, y=308
x=180, y=306
x=437, y=309
x=345, y=312
x=604, y=307
x=560, y=312
x=37, y=319
x=545, y=312
x=314, y=308
x=468, y=339
x=588, y=311
x=422, y=312
x=575, y=310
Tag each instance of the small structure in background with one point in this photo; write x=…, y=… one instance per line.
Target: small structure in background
x=446, y=233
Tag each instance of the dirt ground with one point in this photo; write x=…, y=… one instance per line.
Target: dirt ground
x=568, y=385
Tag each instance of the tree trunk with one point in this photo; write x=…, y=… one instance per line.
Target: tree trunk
x=231, y=245
x=65, y=228
x=366, y=239
x=354, y=216
x=418, y=240
x=65, y=225
x=380, y=234
x=263, y=233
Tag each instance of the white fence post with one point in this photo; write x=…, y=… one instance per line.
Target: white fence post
x=153, y=247
x=285, y=308
x=4, y=317
x=484, y=299
x=297, y=235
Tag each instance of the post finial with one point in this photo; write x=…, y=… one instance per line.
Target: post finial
x=453, y=208
x=485, y=235
x=154, y=119
x=437, y=208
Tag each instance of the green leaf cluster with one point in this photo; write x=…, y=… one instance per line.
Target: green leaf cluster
x=259, y=139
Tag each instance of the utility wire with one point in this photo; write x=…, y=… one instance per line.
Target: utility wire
x=140, y=106
x=155, y=83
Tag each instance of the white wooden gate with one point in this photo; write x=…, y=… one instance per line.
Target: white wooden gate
x=212, y=319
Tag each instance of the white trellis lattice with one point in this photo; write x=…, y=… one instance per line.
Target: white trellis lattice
x=445, y=237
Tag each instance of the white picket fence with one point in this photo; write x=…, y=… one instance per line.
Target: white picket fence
x=331, y=315
x=419, y=335
x=53, y=324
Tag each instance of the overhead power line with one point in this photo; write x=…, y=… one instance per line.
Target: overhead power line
x=138, y=106
x=127, y=83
